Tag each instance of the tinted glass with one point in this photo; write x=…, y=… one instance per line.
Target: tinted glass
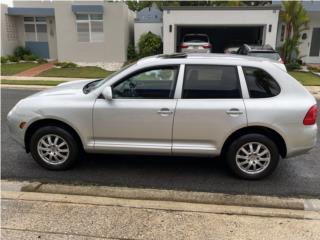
x=152, y=83
x=260, y=83
x=195, y=38
x=208, y=81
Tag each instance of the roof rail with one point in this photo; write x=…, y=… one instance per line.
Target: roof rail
x=173, y=55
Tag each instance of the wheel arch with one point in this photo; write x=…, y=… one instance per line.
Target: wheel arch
x=49, y=122
x=268, y=132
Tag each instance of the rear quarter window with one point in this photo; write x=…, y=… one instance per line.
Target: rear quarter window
x=260, y=83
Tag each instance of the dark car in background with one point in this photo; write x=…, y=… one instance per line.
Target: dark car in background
x=262, y=51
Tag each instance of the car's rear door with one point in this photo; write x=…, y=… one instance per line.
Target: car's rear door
x=139, y=117
x=210, y=109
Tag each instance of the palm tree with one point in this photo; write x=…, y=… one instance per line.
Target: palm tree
x=296, y=21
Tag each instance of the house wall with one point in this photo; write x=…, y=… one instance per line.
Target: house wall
x=9, y=34
x=141, y=28
x=111, y=53
x=218, y=18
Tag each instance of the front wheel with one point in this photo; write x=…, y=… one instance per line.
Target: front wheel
x=253, y=156
x=54, y=148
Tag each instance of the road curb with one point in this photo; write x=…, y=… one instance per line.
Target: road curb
x=171, y=206
x=168, y=195
x=31, y=87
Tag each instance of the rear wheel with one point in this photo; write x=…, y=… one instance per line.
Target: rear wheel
x=54, y=148
x=253, y=156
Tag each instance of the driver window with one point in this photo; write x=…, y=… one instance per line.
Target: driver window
x=153, y=83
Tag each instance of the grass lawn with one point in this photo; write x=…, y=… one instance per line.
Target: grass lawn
x=14, y=68
x=306, y=78
x=77, y=72
x=31, y=82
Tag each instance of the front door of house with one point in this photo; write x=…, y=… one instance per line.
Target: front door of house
x=315, y=43
x=36, y=36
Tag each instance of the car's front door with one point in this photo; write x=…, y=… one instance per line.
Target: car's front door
x=210, y=109
x=140, y=115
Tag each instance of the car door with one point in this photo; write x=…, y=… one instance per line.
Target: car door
x=139, y=117
x=210, y=109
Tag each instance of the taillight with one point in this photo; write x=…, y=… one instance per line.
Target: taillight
x=281, y=61
x=311, y=116
x=184, y=45
x=206, y=45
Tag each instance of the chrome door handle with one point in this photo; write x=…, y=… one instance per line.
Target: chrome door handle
x=165, y=111
x=234, y=111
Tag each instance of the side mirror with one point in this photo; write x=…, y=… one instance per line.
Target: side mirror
x=107, y=93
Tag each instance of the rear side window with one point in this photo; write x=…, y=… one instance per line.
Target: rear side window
x=211, y=81
x=260, y=83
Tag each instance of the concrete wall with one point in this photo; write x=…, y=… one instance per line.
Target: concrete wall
x=141, y=28
x=9, y=33
x=218, y=18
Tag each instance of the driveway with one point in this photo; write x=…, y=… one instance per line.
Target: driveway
x=299, y=176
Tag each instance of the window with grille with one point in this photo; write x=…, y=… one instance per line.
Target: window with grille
x=35, y=29
x=90, y=27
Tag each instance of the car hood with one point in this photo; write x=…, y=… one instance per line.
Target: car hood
x=67, y=88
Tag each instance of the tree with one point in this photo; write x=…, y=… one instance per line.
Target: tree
x=296, y=21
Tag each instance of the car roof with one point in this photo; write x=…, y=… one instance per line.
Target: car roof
x=180, y=58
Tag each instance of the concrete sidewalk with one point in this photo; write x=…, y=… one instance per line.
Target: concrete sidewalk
x=56, y=216
x=39, y=215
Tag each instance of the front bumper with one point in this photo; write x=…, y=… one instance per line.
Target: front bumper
x=15, y=131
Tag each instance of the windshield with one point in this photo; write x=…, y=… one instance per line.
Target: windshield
x=97, y=83
x=270, y=55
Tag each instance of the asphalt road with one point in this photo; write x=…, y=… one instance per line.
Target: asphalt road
x=299, y=176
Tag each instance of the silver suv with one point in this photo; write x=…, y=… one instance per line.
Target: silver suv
x=245, y=109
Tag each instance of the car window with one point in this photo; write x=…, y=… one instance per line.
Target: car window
x=211, y=81
x=153, y=83
x=260, y=83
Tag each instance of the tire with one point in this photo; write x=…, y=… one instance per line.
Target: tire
x=52, y=156
x=246, y=165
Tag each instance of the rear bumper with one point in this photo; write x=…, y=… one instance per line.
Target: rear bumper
x=301, y=140
x=184, y=50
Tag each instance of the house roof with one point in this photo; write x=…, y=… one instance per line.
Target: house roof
x=149, y=15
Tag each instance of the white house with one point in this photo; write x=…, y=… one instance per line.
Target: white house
x=86, y=32
x=225, y=26
x=147, y=20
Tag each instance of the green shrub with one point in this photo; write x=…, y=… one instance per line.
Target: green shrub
x=293, y=66
x=131, y=52
x=29, y=57
x=41, y=60
x=149, y=44
x=66, y=64
x=4, y=59
x=20, y=52
x=13, y=58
